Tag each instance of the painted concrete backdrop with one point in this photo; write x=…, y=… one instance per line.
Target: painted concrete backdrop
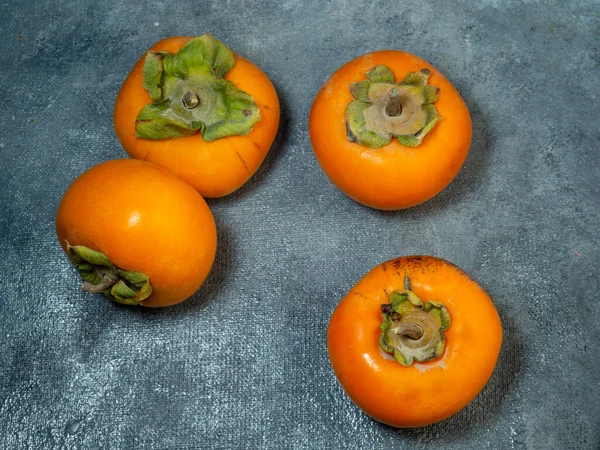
x=244, y=364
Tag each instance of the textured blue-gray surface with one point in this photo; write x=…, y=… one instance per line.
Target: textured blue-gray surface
x=243, y=364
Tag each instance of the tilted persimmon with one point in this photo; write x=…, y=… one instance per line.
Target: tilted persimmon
x=137, y=233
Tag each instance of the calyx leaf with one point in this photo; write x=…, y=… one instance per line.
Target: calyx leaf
x=384, y=109
x=153, y=71
x=204, y=51
x=100, y=275
x=381, y=74
x=219, y=109
x=357, y=129
x=412, y=330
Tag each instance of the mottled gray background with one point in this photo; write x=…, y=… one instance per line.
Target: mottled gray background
x=243, y=364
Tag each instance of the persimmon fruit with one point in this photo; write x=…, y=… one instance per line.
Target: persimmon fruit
x=193, y=107
x=390, y=130
x=137, y=233
x=414, y=341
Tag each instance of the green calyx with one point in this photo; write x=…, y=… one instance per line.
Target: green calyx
x=384, y=109
x=100, y=275
x=412, y=330
x=190, y=94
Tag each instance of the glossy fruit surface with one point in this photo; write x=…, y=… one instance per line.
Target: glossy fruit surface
x=143, y=219
x=395, y=175
x=214, y=168
x=422, y=392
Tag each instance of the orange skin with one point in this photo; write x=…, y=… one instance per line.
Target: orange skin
x=423, y=393
x=393, y=176
x=215, y=168
x=143, y=219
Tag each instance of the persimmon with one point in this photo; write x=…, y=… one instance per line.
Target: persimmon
x=137, y=233
x=414, y=341
x=194, y=107
x=390, y=130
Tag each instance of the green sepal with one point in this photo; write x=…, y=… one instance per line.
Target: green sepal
x=173, y=65
x=99, y=274
x=120, y=290
x=385, y=327
x=408, y=140
x=440, y=312
x=80, y=254
x=137, y=283
x=236, y=116
x=160, y=129
x=398, y=298
x=431, y=114
x=360, y=90
x=197, y=69
x=439, y=348
x=123, y=293
x=403, y=360
x=123, y=301
x=137, y=279
x=144, y=292
x=412, y=140
x=414, y=299
x=430, y=94
x=205, y=50
x=431, y=304
x=414, y=79
x=357, y=131
x=154, y=110
x=153, y=71
x=89, y=276
x=156, y=121
x=427, y=128
x=381, y=74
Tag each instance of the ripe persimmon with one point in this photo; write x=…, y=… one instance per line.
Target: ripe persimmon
x=414, y=341
x=192, y=106
x=390, y=130
x=137, y=233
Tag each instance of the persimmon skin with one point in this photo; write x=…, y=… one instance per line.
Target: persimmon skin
x=393, y=176
x=143, y=219
x=214, y=169
x=424, y=393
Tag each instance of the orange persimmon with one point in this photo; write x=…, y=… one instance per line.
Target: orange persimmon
x=389, y=130
x=193, y=107
x=137, y=233
x=409, y=362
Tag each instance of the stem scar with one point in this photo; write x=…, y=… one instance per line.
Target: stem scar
x=190, y=100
